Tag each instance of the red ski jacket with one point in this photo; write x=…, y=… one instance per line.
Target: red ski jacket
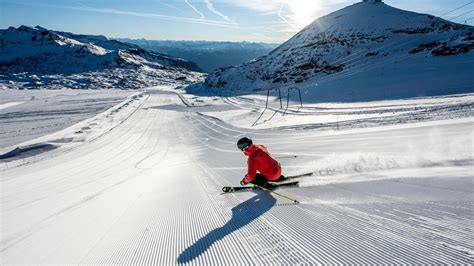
x=260, y=160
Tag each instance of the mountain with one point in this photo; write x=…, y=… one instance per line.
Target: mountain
x=365, y=51
x=208, y=55
x=35, y=57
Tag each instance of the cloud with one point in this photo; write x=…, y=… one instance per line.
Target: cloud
x=151, y=15
x=171, y=6
x=211, y=8
x=195, y=9
x=284, y=19
x=259, y=5
x=83, y=7
x=261, y=36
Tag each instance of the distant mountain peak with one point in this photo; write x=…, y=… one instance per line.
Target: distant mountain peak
x=40, y=28
x=372, y=1
x=36, y=57
x=369, y=42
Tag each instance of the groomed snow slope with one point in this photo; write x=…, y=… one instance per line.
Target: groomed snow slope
x=29, y=114
x=149, y=192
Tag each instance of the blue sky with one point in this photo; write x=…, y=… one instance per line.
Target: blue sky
x=218, y=20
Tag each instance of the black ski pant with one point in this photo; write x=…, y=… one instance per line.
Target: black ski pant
x=262, y=180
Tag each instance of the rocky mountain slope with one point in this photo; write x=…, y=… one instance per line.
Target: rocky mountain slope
x=35, y=57
x=365, y=51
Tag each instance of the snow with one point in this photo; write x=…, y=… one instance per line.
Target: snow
x=144, y=186
x=135, y=177
x=32, y=114
x=38, y=58
x=10, y=104
x=252, y=111
x=366, y=51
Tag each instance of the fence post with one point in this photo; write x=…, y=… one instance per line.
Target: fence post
x=268, y=93
x=279, y=94
x=301, y=100
x=288, y=98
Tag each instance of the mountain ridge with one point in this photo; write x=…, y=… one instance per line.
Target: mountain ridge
x=35, y=57
x=326, y=56
x=208, y=55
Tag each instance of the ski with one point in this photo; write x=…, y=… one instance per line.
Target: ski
x=279, y=185
x=271, y=187
x=235, y=189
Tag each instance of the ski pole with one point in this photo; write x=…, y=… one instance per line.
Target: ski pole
x=286, y=156
x=276, y=193
x=300, y=175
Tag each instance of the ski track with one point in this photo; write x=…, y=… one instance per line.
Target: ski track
x=410, y=255
x=95, y=169
x=149, y=193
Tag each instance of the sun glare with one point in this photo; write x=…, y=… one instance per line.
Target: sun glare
x=304, y=11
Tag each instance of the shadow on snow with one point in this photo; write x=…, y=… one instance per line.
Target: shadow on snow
x=242, y=214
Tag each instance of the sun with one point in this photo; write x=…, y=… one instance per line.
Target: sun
x=304, y=11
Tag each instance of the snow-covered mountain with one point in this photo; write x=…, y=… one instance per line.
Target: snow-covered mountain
x=35, y=57
x=365, y=51
x=208, y=55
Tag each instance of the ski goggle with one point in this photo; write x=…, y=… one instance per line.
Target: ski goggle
x=243, y=146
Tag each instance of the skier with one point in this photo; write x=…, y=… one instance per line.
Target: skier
x=259, y=159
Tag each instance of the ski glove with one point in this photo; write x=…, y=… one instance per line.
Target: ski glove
x=242, y=182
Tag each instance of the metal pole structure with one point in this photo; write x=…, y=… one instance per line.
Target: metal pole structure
x=301, y=100
x=288, y=98
x=276, y=193
x=279, y=94
x=268, y=93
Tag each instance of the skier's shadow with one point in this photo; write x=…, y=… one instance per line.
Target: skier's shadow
x=242, y=214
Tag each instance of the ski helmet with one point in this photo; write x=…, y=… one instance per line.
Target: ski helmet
x=244, y=143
